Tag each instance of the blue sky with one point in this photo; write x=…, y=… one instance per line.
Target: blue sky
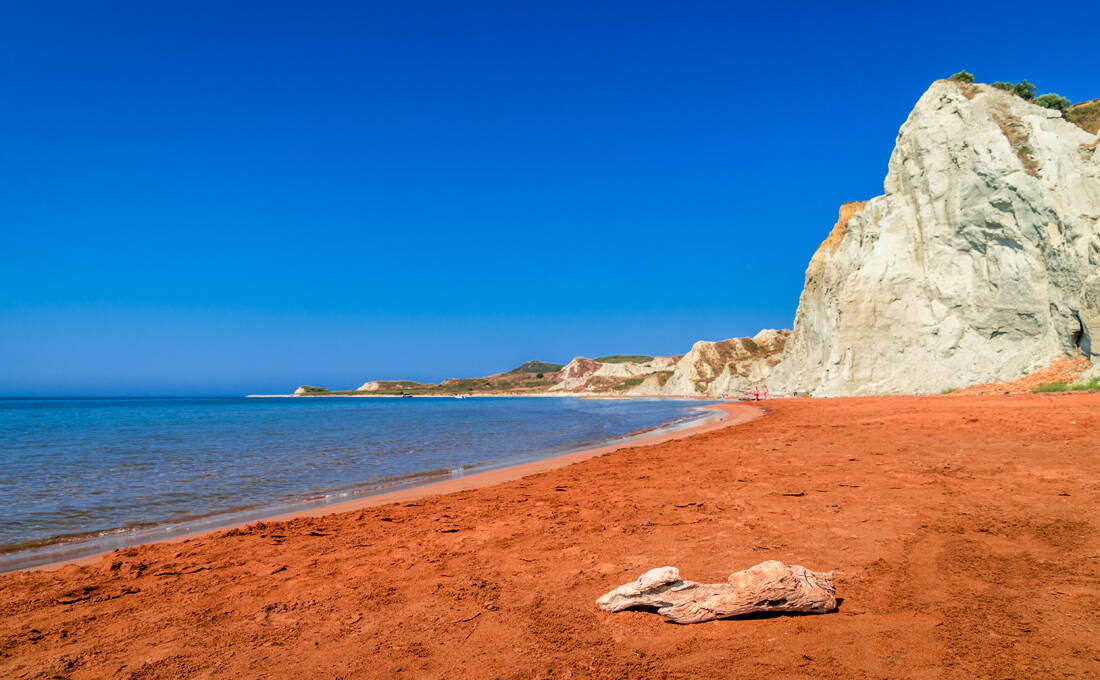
x=218, y=198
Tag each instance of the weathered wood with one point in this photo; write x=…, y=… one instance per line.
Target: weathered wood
x=768, y=587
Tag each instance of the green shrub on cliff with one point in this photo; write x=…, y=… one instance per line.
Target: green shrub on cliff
x=962, y=77
x=1024, y=89
x=1021, y=89
x=1052, y=101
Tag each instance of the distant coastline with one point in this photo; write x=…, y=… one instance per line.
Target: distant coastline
x=489, y=395
x=721, y=369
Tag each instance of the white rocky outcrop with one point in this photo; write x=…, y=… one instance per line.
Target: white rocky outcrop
x=583, y=374
x=709, y=369
x=728, y=366
x=981, y=261
x=576, y=374
x=630, y=369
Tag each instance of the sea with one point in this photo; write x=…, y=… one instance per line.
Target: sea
x=83, y=476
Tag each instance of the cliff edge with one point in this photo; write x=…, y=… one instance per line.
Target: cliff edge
x=979, y=263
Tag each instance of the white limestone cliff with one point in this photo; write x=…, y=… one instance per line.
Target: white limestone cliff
x=981, y=261
x=729, y=366
x=709, y=369
x=582, y=374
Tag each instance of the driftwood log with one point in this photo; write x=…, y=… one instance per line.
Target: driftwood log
x=768, y=587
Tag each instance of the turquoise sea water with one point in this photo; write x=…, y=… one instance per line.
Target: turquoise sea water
x=83, y=475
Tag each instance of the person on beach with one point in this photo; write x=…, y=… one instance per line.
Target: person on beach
x=756, y=394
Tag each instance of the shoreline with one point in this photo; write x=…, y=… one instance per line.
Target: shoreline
x=724, y=415
x=933, y=514
x=499, y=395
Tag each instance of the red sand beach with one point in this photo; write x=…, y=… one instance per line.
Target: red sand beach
x=962, y=532
x=723, y=415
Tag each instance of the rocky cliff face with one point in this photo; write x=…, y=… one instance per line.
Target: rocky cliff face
x=981, y=262
x=589, y=375
x=710, y=368
x=730, y=366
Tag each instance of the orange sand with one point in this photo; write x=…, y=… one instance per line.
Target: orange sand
x=1064, y=370
x=963, y=534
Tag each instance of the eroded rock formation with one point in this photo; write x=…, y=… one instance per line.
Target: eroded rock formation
x=980, y=263
x=729, y=366
x=710, y=368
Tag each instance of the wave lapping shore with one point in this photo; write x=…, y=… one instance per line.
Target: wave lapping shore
x=961, y=533
x=86, y=476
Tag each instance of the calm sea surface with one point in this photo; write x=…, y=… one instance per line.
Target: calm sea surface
x=82, y=475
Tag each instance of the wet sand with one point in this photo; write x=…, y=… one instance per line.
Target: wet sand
x=722, y=415
x=963, y=534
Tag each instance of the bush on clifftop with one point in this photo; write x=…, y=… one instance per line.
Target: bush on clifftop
x=1021, y=89
x=1024, y=89
x=1052, y=101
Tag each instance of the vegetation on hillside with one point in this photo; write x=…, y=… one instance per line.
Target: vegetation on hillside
x=1016, y=134
x=531, y=376
x=402, y=385
x=1022, y=89
x=1093, y=384
x=1050, y=100
x=629, y=383
x=537, y=367
x=624, y=359
x=1085, y=115
x=759, y=350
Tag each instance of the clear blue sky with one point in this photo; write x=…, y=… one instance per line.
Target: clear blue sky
x=215, y=198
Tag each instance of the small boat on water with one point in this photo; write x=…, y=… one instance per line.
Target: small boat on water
x=406, y=395
x=460, y=396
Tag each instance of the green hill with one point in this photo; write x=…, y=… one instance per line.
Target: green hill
x=537, y=367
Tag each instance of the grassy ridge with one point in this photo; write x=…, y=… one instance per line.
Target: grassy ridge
x=537, y=367
x=1085, y=115
x=624, y=359
x=1093, y=384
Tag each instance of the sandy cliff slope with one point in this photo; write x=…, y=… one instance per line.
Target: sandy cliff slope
x=980, y=263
